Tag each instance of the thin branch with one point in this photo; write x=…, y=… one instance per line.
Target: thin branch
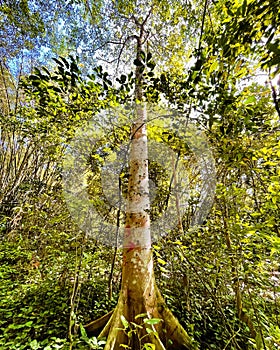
x=202, y=24
x=142, y=25
x=148, y=16
x=129, y=38
x=5, y=86
x=275, y=97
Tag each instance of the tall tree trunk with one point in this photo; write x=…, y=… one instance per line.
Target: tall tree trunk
x=139, y=294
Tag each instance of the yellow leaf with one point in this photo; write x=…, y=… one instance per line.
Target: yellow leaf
x=161, y=261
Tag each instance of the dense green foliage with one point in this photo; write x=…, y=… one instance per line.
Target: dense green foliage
x=221, y=279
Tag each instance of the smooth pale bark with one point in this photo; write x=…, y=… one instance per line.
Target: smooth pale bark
x=139, y=293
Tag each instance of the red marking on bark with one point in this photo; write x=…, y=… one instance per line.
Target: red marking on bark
x=139, y=133
x=131, y=246
x=127, y=231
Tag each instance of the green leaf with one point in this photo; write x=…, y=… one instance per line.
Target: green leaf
x=244, y=7
x=152, y=321
x=66, y=63
x=74, y=67
x=34, y=77
x=138, y=63
x=213, y=67
x=149, y=56
x=140, y=316
x=163, y=78
x=251, y=99
x=83, y=332
x=151, y=65
x=34, y=345
x=56, y=89
x=149, y=346
x=123, y=78
x=124, y=322
x=143, y=55
x=149, y=330
x=161, y=261
x=58, y=61
x=45, y=69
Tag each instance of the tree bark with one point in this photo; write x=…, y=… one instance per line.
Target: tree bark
x=139, y=294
